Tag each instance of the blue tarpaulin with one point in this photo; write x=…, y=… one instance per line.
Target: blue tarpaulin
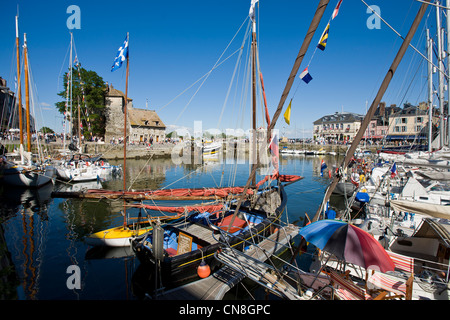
x=362, y=197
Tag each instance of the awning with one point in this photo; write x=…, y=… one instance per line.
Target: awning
x=407, y=137
x=433, y=210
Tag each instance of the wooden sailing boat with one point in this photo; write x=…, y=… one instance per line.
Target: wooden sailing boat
x=19, y=169
x=184, y=249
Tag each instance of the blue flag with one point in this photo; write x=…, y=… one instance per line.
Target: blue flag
x=122, y=54
x=305, y=76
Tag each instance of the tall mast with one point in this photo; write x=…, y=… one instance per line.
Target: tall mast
x=27, y=90
x=71, y=85
x=79, y=124
x=254, y=152
x=441, y=76
x=448, y=66
x=19, y=87
x=125, y=133
x=430, y=90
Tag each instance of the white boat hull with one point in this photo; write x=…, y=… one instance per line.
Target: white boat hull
x=22, y=177
x=77, y=174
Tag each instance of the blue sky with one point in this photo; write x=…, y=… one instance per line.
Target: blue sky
x=174, y=43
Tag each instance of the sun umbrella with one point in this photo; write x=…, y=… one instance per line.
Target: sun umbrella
x=348, y=243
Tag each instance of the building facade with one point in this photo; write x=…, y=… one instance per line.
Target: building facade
x=391, y=123
x=340, y=126
x=408, y=124
x=142, y=125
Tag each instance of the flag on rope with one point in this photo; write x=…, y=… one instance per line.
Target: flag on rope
x=394, y=170
x=336, y=10
x=287, y=114
x=122, y=54
x=323, y=39
x=305, y=76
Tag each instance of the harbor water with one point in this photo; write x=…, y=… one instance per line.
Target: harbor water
x=42, y=238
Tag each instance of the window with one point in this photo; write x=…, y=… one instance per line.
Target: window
x=404, y=120
x=419, y=120
x=403, y=128
x=418, y=128
x=397, y=129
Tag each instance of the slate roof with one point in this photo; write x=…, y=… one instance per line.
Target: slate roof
x=339, y=117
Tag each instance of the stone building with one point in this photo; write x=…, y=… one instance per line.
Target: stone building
x=340, y=126
x=142, y=125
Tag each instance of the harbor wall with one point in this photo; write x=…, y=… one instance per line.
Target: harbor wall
x=164, y=150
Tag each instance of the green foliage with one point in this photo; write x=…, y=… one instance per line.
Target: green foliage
x=94, y=94
x=46, y=130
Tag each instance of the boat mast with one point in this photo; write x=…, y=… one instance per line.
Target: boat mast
x=441, y=75
x=448, y=66
x=19, y=87
x=71, y=86
x=125, y=135
x=254, y=152
x=79, y=124
x=27, y=91
x=430, y=91
x=376, y=102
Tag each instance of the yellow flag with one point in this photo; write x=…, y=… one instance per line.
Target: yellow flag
x=287, y=114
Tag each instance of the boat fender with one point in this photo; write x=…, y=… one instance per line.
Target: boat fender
x=203, y=270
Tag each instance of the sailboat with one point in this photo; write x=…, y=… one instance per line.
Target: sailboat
x=76, y=166
x=19, y=169
x=184, y=249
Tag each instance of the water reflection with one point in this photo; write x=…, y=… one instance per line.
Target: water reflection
x=25, y=212
x=41, y=236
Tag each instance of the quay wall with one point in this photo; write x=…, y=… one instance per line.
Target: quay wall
x=115, y=151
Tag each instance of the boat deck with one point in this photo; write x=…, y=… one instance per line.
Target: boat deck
x=216, y=285
x=199, y=231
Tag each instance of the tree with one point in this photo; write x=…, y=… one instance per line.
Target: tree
x=46, y=130
x=90, y=85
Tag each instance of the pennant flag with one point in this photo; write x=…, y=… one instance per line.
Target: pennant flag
x=323, y=40
x=251, y=12
x=336, y=10
x=122, y=54
x=287, y=114
x=323, y=166
x=394, y=170
x=305, y=76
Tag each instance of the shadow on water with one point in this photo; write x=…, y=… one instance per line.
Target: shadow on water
x=41, y=236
